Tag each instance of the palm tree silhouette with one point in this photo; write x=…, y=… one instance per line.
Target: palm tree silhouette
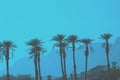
x=40, y=50
x=86, y=42
x=59, y=38
x=7, y=47
x=73, y=39
x=34, y=52
x=64, y=46
x=106, y=37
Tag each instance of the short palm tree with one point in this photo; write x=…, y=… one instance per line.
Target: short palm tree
x=106, y=37
x=59, y=38
x=86, y=42
x=73, y=39
x=34, y=52
x=7, y=47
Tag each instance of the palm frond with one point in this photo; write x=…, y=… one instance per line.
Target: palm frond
x=91, y=49
x=55, y=45
x=1, y=57
x=43, y=50
x=103, y=45
x=34, y=42
x=31, y=56
x=81, y=47
x=12, y=54
x=68, y=47
x=110, y=45
x=58, y=37
x=57, y=51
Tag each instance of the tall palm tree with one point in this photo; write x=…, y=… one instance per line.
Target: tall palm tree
x=73, y=39
x=106, y=37
x=86, y=42
x=7, y=47
x=34, y=51
x=59, y=38
x=40, y=50
x=64, y=46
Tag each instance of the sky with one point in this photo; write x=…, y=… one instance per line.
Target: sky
x=22, y=20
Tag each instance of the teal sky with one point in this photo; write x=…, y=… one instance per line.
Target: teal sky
x=22, y=20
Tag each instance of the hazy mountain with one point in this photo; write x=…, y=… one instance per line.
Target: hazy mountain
x=50, y=63
x=115, y=50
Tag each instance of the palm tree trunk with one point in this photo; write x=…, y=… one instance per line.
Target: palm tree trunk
x=64, y=60
x=107, y=55
x=40, y=77
x=86, y=67
x=61, y=61
x=36, y=69
x=86, y=61
x=7, y=67
x=108, y=65
x=7, y=63
x=74, y=62
x=65, y=76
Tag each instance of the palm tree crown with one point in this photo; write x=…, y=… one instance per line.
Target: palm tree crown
x=7, y=45
x=72, y=38
x=106, y=36
x=34, y=42
x=86, y=41
x=59, y=37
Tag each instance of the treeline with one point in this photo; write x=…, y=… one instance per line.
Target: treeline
x=62, y=42
x=96, y=73
x=19, y=77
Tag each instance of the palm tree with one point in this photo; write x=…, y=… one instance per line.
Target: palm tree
x=73, y=39
x=34, y=51
x=64, y=45
x=59, y=38
x=106, y=37
x=7, y=47
x=40, y=50
x=86, y=42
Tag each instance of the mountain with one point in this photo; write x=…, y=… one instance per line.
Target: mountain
x=115, y=50
x=50, y=63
